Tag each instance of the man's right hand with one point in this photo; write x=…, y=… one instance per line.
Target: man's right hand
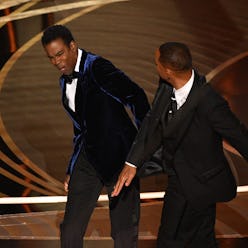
x=66, y=182
x=125, y=178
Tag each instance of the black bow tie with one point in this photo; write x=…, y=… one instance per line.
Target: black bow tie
x=68, y=78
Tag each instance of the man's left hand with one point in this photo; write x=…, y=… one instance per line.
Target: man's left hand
x=125, y=178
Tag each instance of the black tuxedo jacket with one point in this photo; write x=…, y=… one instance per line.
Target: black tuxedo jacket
x=192, y=142
x=102, y=126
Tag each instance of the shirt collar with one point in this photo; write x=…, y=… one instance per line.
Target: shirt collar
x=80, y=52
x=184, y=91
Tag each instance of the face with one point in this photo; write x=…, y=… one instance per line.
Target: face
x=162, y=70
x=64, y=58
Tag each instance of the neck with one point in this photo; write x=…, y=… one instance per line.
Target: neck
x=180, y=79
x=76, y=56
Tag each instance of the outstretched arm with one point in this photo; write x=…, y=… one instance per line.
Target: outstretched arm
x=147, y=141
x=227, y=125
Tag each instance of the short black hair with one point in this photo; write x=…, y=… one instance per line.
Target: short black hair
x=176, y=55
x=55, y=32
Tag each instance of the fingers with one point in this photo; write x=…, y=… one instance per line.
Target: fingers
x=129, y=180
x=66, y=183
x=118, y=187
x=125, y=178
x=66, y=187
x=119, y=184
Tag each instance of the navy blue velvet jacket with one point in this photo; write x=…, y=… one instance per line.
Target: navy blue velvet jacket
x=102, y=126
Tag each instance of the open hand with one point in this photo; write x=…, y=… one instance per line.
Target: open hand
x=125, y=178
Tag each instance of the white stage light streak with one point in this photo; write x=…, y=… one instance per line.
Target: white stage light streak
x=62, y=199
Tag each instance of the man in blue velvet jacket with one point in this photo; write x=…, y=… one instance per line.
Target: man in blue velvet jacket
x=94, y=94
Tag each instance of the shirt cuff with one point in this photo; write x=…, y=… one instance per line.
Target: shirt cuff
x=132, y=165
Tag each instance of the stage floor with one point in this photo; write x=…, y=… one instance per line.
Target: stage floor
x=223, y=243
x=41, y=229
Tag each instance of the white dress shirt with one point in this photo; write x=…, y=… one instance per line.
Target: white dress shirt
x=71, y=88
x=182, y=93
x=181, y=97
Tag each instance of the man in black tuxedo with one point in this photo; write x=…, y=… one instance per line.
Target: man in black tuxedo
x=94, y=94
x=189, y=120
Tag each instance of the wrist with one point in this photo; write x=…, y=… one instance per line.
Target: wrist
x=131, y=165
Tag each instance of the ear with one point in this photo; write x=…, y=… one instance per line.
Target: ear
x=73, y=46
x=168, y=71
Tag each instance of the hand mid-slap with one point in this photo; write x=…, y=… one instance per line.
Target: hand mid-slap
x=66, y=182
x=126, y=176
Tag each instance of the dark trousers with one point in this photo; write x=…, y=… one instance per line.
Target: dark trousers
x=84, y=189
x=183, y=226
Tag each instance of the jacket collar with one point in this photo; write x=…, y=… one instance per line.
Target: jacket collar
x=161, y=104
x=185, y=113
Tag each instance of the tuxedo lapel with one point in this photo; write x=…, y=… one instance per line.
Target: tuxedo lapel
x=81, y=91
x=71, y=114
x=160, y=104
x=176, y=128
x=76, y=118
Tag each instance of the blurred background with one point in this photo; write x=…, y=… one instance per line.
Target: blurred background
x=35, y=132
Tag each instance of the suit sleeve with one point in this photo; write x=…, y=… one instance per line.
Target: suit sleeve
x=116, y=84
x=149, y=137
x=145, y=143
x=227, y=125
